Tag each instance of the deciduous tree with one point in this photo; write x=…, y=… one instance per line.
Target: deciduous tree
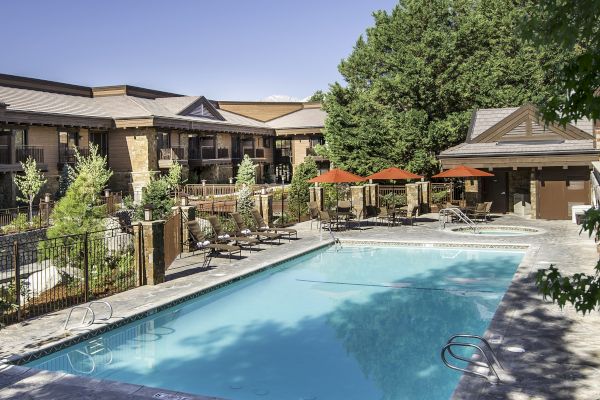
x=30, y=183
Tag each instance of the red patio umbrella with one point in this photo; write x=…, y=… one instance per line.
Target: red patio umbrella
x=336, y=176
x=462, y=171
x=393, y=173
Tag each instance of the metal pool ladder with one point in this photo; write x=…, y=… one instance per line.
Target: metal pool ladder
x=85, y=321
x=490, y=360
x=457, y=212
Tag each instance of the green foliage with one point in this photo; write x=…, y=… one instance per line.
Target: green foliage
x=319, y=96
x=580, y=290
x=157, y=194
x=66, y=178
x=322, y=150
x=80, y=210
x=175, y=176
x=30, y=183
x=414, y=80
x=299, y=194
x=571, y=28
x=439, y=197
x=19, y=224
x=245, y=203
x=394, y=200
x=246, y=172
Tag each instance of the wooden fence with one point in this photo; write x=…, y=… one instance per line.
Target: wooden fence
x=173, y=238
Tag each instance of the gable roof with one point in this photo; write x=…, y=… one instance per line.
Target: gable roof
x=490, y=125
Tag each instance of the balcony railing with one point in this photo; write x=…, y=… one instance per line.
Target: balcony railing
x=4, y=154
x=22, y=153
x=35, y=152
x=66, y=155
x=207, y=153
x=173, y=153
x=283, y=156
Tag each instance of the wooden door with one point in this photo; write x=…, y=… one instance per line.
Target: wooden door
x=495, y=189
x=560, y=189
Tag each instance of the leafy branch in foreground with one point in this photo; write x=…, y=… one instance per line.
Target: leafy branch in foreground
x=581, y=290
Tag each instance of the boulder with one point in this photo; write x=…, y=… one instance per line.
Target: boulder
x=40, y=281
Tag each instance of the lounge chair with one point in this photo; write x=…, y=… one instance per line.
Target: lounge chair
x=198, y=241
x=223, y=236
x=477, y=211
x=262, y=226
x=243, y=230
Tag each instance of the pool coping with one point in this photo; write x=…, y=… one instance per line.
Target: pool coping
x=142, y=312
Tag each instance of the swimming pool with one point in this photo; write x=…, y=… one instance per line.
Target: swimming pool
x=361, y=323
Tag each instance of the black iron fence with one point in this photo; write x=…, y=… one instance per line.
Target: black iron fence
x=38, y=277
x=16, y=219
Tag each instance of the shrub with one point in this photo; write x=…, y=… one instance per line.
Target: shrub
x=439, y=197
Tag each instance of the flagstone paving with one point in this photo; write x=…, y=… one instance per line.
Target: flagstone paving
x=561, y=349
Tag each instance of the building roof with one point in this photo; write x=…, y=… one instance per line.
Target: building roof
x=305, y=118
x=520, y=148
x=117, y=107
x=485, y=118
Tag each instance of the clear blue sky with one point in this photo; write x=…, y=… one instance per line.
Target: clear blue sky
x=225, y=49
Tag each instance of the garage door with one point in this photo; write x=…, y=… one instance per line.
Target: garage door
x=559, y=189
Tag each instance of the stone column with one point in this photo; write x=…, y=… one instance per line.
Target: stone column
x=266, y=207
x=374, y=194
x=533, y=193
x=319, y=197
x=151, y=253
x=358, y=200
x=312, y=194
x=412, y=194
x=426, y=196
x=472, y=195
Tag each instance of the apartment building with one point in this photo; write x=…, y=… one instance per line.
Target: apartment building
x=141, y=131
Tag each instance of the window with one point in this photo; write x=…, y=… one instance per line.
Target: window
x=163, y=140
x=267, y=142
x=68, y=139
x=100, y=139
x=314, y=141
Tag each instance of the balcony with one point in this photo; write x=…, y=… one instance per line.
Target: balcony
x=208, y=155
x=283, y=156
x=22, y=153
x=66, y=155
x=254, y=153
x=172, y=154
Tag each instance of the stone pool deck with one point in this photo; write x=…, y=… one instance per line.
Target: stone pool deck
x=561, y=358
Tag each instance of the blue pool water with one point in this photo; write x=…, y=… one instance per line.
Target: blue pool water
x=362, y=323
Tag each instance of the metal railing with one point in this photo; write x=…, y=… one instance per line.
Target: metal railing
x=490, y=362
x=66, y=155
x=14, y=220
x=173, y=153
x=455, y=212
x=25, y=152
x=42, y=276
x=399, y=190
x=442, y=193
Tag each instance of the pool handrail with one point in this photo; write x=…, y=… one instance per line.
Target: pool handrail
x=492, y=376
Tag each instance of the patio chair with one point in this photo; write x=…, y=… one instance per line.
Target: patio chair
x=326, y=220
x=385, y=215
x=198, y=241
x=223, y=236
x=242, y=230
x=411, y=214
x=485, y=212
x=262, y=226
x=477, y=212
x=313, y=210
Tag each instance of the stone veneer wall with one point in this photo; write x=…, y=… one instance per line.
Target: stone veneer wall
x=28, y=242
x=533, y=193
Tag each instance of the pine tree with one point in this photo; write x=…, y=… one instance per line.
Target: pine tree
x=246, y=172
x=299, y=194
x=66, y=178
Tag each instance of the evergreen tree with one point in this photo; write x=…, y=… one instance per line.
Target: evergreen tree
x=80, y=210
x=67, y=176
x=415, y=79
x=246, y=172
x=30, y=183
x=299, y=187
x=158, y=195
